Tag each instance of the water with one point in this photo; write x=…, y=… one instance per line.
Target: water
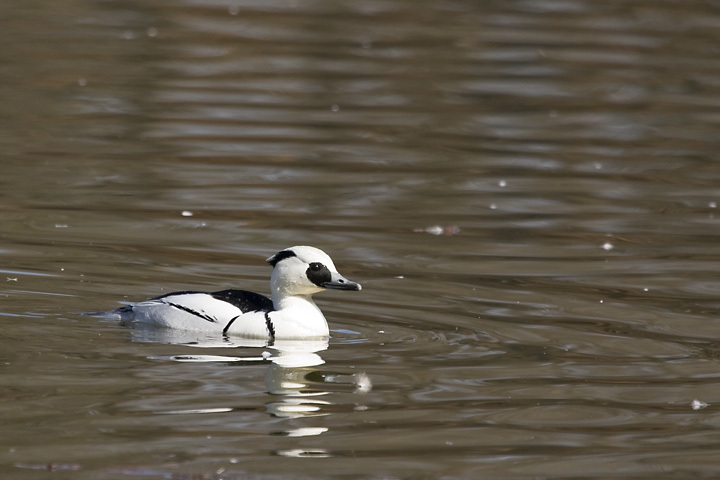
x=528, y=192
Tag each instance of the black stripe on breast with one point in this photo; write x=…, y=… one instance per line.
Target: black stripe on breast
x=270, y=326
x=227, y=327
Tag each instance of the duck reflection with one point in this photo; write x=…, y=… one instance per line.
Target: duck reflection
x=293, y=379
x=299, y=387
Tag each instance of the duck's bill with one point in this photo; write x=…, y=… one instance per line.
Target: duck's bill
x=338, y=282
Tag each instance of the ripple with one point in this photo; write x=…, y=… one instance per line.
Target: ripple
x=575, y=417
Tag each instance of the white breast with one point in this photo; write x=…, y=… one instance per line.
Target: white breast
x=299, y=317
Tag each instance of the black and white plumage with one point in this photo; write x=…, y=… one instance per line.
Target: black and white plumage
x=298, y=273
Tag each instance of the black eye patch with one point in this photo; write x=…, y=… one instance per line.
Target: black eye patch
x=318, y=274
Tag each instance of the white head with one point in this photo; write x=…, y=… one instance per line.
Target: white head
x=303, y=271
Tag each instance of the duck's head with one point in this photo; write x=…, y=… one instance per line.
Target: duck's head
x=303, y=271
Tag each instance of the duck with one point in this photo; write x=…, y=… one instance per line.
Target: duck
x=290, y=313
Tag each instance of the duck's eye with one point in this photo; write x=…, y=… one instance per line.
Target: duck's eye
x=318, y=274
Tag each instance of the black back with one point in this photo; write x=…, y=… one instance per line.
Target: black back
x=245, y=301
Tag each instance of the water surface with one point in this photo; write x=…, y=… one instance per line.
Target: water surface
x=528, y=192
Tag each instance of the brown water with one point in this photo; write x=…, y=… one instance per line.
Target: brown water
x=527, y=191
